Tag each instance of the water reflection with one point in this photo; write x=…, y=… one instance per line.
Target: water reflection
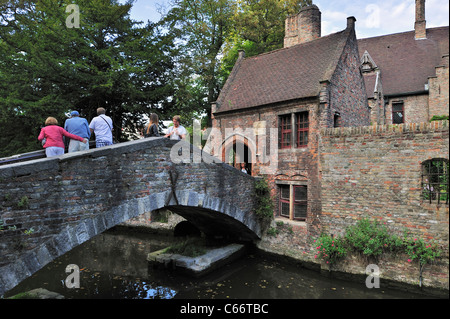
x=113, y=265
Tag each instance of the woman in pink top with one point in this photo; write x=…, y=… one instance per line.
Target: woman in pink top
x=53, y=134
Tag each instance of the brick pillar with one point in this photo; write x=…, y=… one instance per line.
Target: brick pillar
x=303, y=27
x=420, y=24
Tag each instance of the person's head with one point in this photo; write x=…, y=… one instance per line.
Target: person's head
x=154, y=118
x=74, y=114
x=176, y=120
x=100, y=111
x=51, y=121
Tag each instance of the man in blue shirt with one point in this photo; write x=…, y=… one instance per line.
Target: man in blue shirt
x=78, y=126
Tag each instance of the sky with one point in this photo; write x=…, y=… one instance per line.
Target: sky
x=373, y=18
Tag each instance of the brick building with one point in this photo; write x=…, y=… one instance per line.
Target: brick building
x=274, y=106
x=406, y=74
x=313, y=82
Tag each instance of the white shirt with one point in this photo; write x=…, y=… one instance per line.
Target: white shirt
x=176, y=136
x=102, y=126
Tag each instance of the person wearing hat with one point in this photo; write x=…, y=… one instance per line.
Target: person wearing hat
x=78, y=126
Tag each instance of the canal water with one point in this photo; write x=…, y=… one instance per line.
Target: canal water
x=113, y=266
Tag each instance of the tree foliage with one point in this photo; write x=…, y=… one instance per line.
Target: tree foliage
x=258, y=28
x=174, y=66
x=48, y=69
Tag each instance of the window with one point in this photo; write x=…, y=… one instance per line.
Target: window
x=284, y=200
x=285, y=131
x=302, y=125
x=297, y=135
x=299, y=201
x=337, y=120
x=435, y=178
x=398, y=114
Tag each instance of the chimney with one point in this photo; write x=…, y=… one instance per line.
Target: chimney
x=351, y=22
x=420, y=24
x=303, y=27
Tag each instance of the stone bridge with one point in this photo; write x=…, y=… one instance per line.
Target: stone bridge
x=49, y=206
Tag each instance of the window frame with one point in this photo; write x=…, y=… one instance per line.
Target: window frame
x=304, y=131
x=398, y=103
x=292, y=204
x=300, y=202
x=432, y=183
x=285, y=127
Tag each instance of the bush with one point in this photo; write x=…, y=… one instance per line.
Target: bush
x=418, y=249
x=439, y=118
x=330, y=249
x=263, y=200
x=371, y=238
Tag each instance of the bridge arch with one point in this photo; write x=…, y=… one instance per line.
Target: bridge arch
x=139, y=178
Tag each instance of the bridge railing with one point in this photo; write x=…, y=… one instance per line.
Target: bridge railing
x=30, y=156
x=22, y=157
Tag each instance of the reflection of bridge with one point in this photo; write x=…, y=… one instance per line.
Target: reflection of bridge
x=50, y=205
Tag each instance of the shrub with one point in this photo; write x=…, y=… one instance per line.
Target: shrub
x=423, y=252
x=330, y=249
x=439, y=118
x=371, y=238
x=263, y=200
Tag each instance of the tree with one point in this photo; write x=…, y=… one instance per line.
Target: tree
x=48, y=69
x=259, y=28
x=201, y=27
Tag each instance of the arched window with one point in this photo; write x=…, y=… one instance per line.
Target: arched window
x=435, y=179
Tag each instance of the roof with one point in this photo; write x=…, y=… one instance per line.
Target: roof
x=282, y=75
x=406, y=63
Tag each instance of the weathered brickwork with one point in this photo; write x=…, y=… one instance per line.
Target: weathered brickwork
x=376, y=172
x=439, y=90
x=347, y=90
x=69, y=199
x=415, y=108
x=297, y=165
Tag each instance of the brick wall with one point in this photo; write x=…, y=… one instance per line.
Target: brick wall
x=439, y=90
x=415, y=108
x=294, y=165
x=347, y=90
x=376, y=172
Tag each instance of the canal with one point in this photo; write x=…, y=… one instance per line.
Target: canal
x=113, y=266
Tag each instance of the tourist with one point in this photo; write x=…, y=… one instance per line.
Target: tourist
x=53, y=136
x=101, y=126
x=151, y=130
x=78, y=126
x=243, y=168
x=177, y=131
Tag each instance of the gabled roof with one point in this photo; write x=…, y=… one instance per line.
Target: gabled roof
x=406, y=63
x=283, y=75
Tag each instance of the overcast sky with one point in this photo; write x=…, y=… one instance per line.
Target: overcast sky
x=373, y=18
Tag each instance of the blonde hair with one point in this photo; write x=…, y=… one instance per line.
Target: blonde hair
x=51, y=121
x=177, y=118
x=153, y=120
